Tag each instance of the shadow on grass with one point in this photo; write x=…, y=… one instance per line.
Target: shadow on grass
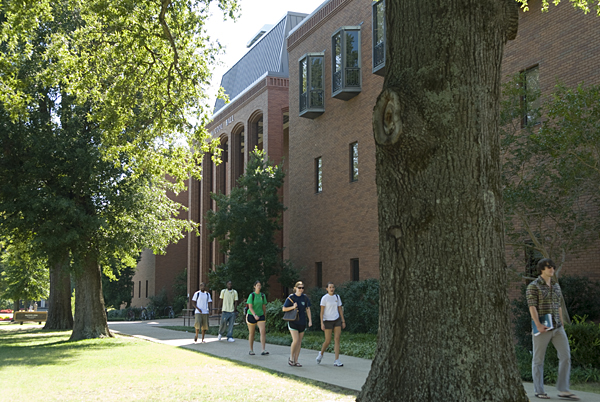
x=35, y=347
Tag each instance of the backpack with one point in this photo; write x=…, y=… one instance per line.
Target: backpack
x=246, y=309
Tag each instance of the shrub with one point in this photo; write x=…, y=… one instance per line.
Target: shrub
x=522, y=321
x=274, y=317
x=159, y=302
x=315, y=295
x=582, y=296
x=361, y=305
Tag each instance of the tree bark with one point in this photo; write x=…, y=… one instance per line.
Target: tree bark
x=59, y=301
x=90, y=317
x=444, y=331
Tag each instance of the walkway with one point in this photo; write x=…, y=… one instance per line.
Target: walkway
x=352, y=376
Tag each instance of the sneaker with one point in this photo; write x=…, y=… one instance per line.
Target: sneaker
x=338, y=363
x=219, y=337
x=230, y=340
x=319, y=358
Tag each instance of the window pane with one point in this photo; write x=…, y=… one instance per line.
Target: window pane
x=316, y=82
x=337, y=52
x=303, y=76
x=352, y=49
x=354, y=161
x=379, y=23
x=319, y=174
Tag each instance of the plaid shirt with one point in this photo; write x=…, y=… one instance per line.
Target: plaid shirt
x=547, y=299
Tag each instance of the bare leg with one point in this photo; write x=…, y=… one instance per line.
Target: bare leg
x=297, y=346
x=338, y=333
x=263, y=334
x=251, y=329
x=295, y=341
x=327, y=341
x=196, y=337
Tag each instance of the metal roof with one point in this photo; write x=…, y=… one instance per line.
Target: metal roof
x=269, y=54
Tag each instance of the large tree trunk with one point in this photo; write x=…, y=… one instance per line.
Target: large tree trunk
x=444, y=332
x=90, y=317
x=59, y=302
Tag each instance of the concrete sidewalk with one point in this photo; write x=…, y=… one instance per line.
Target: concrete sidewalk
x=352, y=376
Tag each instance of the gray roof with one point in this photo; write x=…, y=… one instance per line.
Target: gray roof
x=269, y=54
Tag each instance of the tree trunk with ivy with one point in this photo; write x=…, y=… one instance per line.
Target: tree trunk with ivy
x=444, y=331
x=59, y=302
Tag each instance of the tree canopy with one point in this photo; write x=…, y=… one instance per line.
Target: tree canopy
x=103, y=108
x=551, y=169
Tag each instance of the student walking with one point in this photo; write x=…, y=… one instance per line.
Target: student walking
x=332, y=320
x=200, y=301
x=543, y=299
x=230, y=298
x=297, y=300
x=257, y=309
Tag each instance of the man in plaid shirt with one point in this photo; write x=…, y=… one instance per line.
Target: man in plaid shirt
x=544, y=297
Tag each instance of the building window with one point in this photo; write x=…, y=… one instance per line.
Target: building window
x=318, y=174
x=379, y=37
x=139, y=289
x=354, y=270
x=146, y=289
x=319, y=269
x=345, y=63
x=354, y=161
x=311, y=90
x=530, y=96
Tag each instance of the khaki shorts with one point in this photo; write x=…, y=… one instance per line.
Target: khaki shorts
x=201, y=321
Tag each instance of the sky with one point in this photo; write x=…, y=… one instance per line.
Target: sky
x=234, y=35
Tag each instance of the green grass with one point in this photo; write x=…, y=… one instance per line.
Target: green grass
x=38, y=365
x=357, y=345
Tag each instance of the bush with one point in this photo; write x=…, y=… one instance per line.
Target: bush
x=522, y=321
x=361, y=306
x=315, y=295
x=360, y=301
x=274, y=317
x=582, y=296
x=159, y=302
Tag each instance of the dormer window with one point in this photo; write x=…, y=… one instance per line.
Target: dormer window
x=311, y=91
x=379, y=67
x=346, y=78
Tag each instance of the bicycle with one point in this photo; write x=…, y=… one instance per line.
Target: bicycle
x=130, y=315
x=169, y=312
x=144, y=315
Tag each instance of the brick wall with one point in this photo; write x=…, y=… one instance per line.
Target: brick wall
x=565, y=44
x=340, y=223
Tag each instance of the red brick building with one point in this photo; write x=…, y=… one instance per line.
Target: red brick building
x=312, y=105
x=257, y=116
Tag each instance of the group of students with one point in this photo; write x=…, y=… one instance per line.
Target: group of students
x=331, y=317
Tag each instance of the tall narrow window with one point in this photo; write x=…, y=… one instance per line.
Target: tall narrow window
x=311, y=91
x=146, y=289
x=319, y=269
x=530, y=96
x=379, y=37
x=532, y=256
x=354, y=270
x=346, y=77
x=318, y=174
x=140, y=289
x=354, y=161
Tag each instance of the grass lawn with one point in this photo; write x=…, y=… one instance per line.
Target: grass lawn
x=38, y=365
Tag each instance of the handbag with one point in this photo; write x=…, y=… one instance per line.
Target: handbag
x=291, y=315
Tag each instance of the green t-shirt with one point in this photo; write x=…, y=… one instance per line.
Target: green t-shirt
x=257, y=303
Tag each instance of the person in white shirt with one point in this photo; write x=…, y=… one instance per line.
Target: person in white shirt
x=230, y=299
x=332, y=320
x=201, y=301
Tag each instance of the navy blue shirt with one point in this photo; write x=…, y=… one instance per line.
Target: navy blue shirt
x=303, y=302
